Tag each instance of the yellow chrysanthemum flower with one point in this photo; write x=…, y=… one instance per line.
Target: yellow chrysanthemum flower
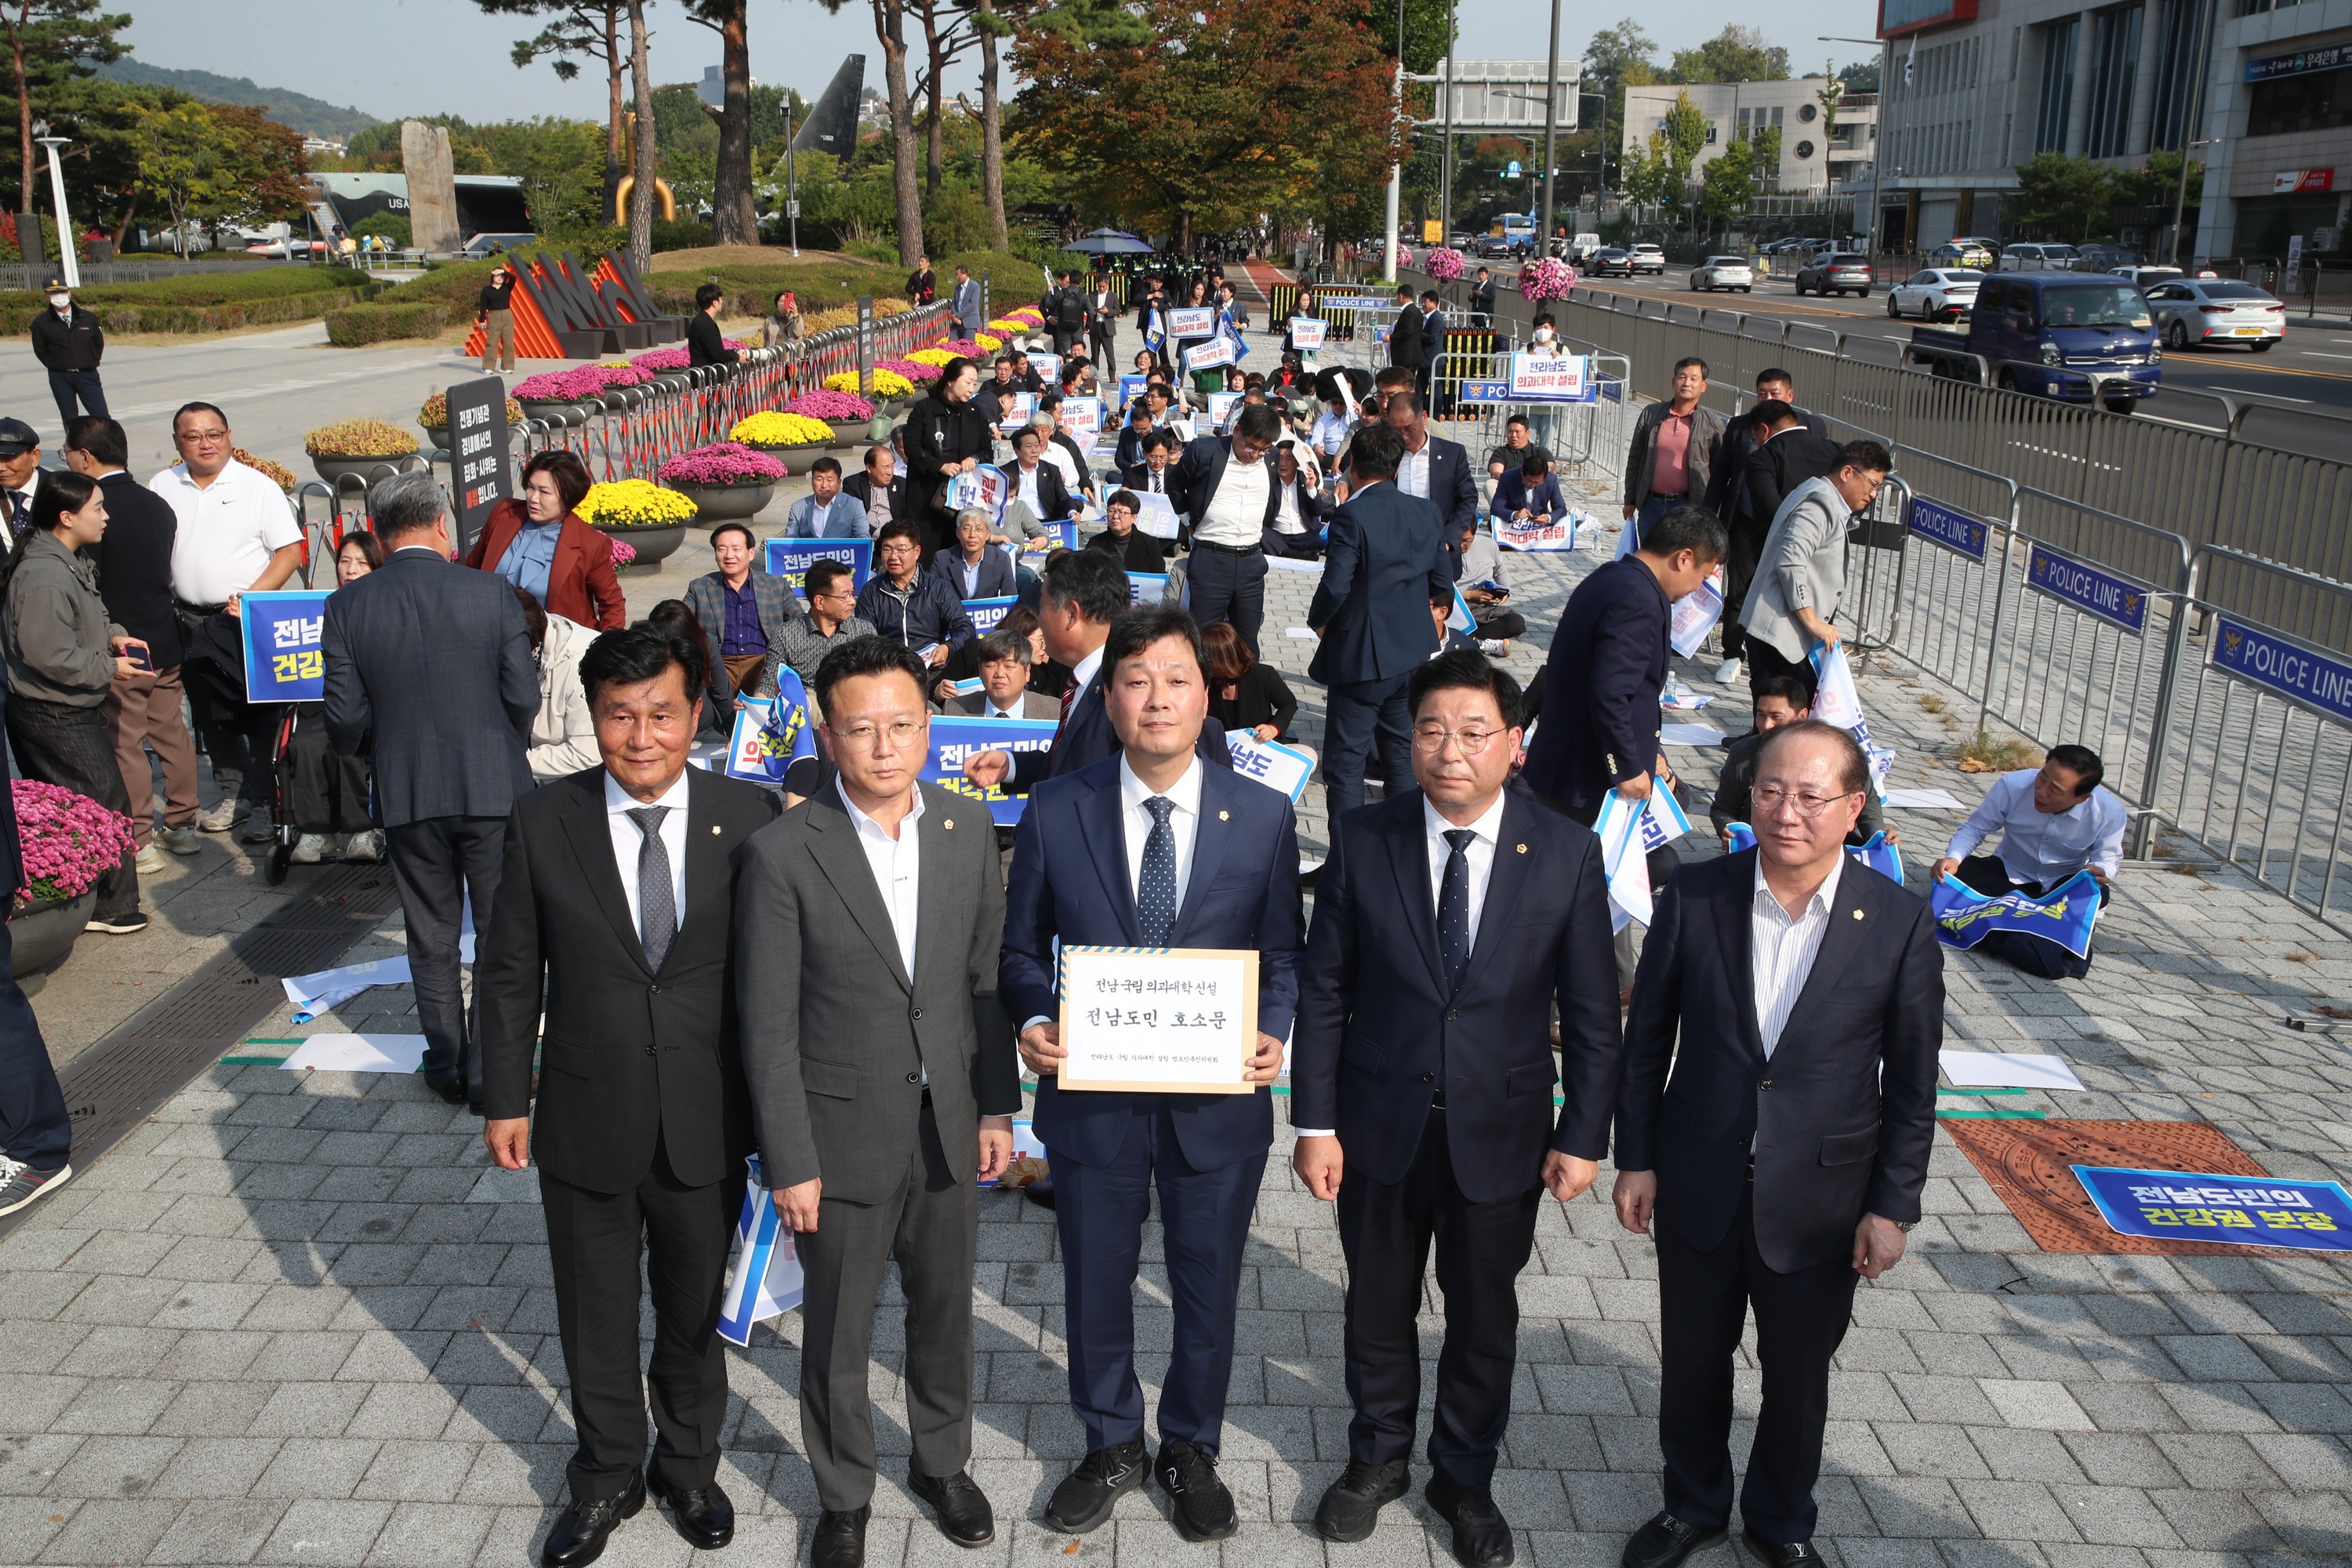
x=635, y=503
x=771, y=428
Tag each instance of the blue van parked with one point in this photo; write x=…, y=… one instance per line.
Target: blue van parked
x=2068, y=335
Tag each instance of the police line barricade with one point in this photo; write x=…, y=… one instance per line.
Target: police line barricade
x=1942, y=610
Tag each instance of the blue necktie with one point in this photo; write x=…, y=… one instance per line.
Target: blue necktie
x=1454, y=908
x=1155, y=893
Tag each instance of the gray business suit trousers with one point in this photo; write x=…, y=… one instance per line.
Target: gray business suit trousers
x=930, y=1226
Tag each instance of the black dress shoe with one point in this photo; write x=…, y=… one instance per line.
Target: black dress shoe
x=451, y=1091
x=1665, y=1541
x=1777, y=1552
x=965, y=1517
x=1088, y=1494
x=1482, y=1537
x=1351, y=1505
x=703, y=1514
x=579, y=1535
x=1204, y=1505
x=840, y=1539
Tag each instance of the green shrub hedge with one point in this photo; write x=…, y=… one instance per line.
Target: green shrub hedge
x=361, y=324
x=16, y=319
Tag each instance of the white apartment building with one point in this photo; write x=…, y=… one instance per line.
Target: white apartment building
x=1815, y=155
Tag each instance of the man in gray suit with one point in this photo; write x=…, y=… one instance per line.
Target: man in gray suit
x=430, y=674
x=964, y=303
x=1801, y=568
x=883, y=1076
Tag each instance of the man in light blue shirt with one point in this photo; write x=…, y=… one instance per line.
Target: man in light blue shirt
x=2053, y=821
x=825, y=512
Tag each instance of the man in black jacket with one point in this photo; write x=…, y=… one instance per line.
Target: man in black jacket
x=135, y=577
x=1405, y=337
x=430, y=674
x=880, y=478
x=912, y=607
x=1726, y=497
x=1787, y=455
x=616, y=918
x=1227, y=488
x=70, y=343
x=704, y=343
x=1798, y=997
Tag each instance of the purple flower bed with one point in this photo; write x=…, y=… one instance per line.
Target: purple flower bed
x=69, y=840
x=830, y=406
x=571, y=385
x=914, y=370
x=660, y=360
x=721, y=463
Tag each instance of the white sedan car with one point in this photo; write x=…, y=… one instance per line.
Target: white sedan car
x=1936, y=291
x=1724, y=272
x=2217, y=311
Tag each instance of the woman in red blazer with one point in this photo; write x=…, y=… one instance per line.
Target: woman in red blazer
x=578, y=581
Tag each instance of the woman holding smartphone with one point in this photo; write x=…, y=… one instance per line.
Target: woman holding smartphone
x=63, y=655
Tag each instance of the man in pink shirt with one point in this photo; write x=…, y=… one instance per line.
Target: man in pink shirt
x=1674, y=448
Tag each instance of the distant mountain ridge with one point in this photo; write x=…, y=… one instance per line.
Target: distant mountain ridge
x=300, y=111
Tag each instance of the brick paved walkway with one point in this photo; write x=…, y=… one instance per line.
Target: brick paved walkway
x=298, y=1322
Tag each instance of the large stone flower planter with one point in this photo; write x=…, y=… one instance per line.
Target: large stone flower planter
x=40, y=935
x=368, y=469
x=651, y=545
x=720, y=504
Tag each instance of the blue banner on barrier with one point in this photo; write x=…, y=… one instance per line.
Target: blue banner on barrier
x=953, y=739
x=986, y=612
x=1485, y=392
x=2116, y=600
x=2245, y=1211
x=2065, y=915
x=1955, y=530
x=1057, y=536
x=2268, y=659
x=1875, y=853
x=283, y=659
x=790, y=559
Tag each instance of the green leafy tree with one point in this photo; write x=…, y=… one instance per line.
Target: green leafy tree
x=2059, y=197
x=578, y=30
x=1425, y=32
x=1728, y=184
x=734, y=219
x=183, y=159
x=1831, y=94
x=49, y=42
x=1685, y=137
x=2156, y=184
x=1861, y=76
x=1736, y=54
x=1616, y=59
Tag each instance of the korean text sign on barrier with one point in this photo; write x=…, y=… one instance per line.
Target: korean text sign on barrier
x=790, y=559
x=478, y=452
x=1191, y=321
x=284, y=661
x=2288, y=668
x=1551, y=378
x=1082, y=421
x=2116, y=600
x=1955, y=530
x=955, y=739
x=2249, y=1211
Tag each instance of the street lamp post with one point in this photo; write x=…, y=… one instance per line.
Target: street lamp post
x=58, y=190
x=1396, y=168
x=1886, y=47
x=1551, y=131
x=1445, y=174
x=791, y=190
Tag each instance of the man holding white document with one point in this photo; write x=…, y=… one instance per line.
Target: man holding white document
x=1116, y=864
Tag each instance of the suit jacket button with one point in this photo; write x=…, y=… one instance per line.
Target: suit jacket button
x=1766, y=1084
x=914, y=1077
x=1451, y=1015
x=1429, y=1077
x=655, y=988
x=918, y=1015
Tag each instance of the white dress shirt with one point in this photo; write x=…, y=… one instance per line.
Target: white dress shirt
x=1028, y=490
x=1480, y=854
x=2045, y=846
x=627, y=841
x=228, y=532
x=1782, y=950
x=989, y=709
x=1237, y=514
x=1286, y=512
x=1413, y=474
x=1084, y=671
x=897, y=867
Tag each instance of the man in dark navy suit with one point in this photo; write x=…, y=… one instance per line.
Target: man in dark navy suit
x=1799, y=997
x=1608, y=664
x=1082, y=592
x=1431, y=467
x=1449, y=921
x=1384, y=564
x=1152, y=849
x=1726, y=496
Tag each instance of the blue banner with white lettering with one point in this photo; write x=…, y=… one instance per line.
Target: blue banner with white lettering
x=955, y=739
x=1955, y=530
x=283, y=630
x=2246, y=1211
x=790, y=559
x=2116, y=600
x=2065, y=915
x=772, y=733
x=2288, y=668
x=1875, y=853
x=987, y=613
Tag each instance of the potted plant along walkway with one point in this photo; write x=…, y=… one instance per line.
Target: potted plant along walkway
x=638, y=512
x=433, y=419
x=844, y=414
x=727, y=481
x=774, y=433
x=69, y=841
x=361, y=449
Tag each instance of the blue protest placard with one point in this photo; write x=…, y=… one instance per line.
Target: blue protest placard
x=2065, y=915
x=1145, y=587
x=2265, y=659
x=2245, y=1211
x=790, y=559
x=1272, y=764
x=283, y=659
x=955, y=739
x=772, y=733
x=1955, y=530
x=986, y=612
x=1131, y=387
x=2118, y=600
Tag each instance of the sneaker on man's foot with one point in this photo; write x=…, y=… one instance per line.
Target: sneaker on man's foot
x=21, y=1185
x=365, y=847
x=308, y=849
x=1727, y=672
x=120, y=925
x=222, y=817
x=1494, y=647
x=179, y=840
x=257, y=829
x=149, y=858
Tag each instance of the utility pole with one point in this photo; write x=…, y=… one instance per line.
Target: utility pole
x=1551, y=131
x=1445, y=176
x=1396, y=166
x=70, y=270
x=791, y=190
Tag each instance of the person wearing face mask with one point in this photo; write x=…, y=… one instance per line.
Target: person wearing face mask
x=70, y=343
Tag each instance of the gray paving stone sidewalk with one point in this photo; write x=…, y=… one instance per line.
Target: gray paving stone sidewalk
x=298, y=1320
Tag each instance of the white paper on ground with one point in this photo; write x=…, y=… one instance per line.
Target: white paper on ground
x=1689, y=735
x=330, y=988
x=2008, y=1069
x=359, y=1053
x=1303, y=634
x=1924, y=800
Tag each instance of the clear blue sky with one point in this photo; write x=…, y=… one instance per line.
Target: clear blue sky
x=389, y=58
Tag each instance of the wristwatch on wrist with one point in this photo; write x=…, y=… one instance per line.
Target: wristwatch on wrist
x=1904, y=1226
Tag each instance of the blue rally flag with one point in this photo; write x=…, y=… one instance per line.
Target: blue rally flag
x=1877, y=854
x=766, y=1281
x=284, y=658
x=2065, y=915
x=2249, y=1211
x=772, y=733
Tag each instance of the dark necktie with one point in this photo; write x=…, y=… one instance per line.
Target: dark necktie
x=20, y=512
x=1070, y=700
x=1454, y=908
x=1155, y=893
x=657, y=898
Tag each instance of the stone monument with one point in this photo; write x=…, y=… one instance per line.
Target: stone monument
x=432, y=186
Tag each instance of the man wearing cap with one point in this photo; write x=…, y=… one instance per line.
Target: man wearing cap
x=20, y=475
x=496, y=318
x=69, y=342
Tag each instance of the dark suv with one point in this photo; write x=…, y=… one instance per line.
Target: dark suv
x=1835, y=272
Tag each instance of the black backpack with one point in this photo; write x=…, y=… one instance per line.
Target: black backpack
x=1070, y=310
